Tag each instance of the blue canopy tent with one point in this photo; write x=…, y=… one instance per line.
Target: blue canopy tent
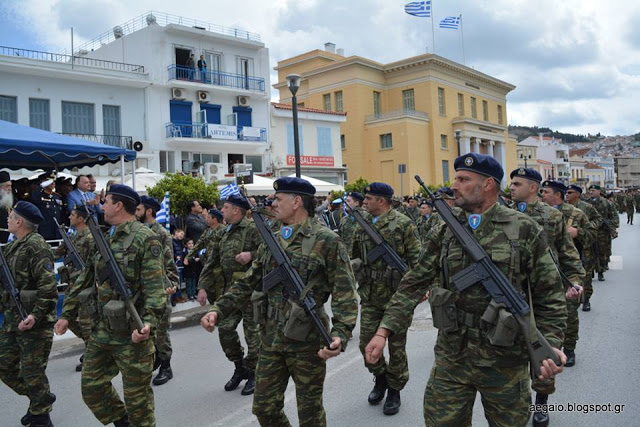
x=30, y=148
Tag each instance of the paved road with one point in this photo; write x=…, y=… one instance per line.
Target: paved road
x=606, y=370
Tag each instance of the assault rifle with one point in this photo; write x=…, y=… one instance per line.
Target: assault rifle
x=9, y=284
x=73, y=257
x=382, y=249
x=483, y=271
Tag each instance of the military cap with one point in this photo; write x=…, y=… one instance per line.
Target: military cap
x=294, y=185
x=411, y=198
x=28, y=211
x=337, y=201
x=595, y=187
x=150, y=202
x=427, y=202
x=480, y=163
x=46, y=183
x=124, y=191
x=215, y=213
x=396, y=199
x=446, y=193
x=575, y=188
x=357, y=196
x=555, y=185
x=239, y=201
x=379, y=189
x=81, y=211
x=527, y=173
x=4, y=177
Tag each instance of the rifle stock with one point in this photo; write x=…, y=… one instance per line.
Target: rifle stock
x=73, y=257
x=9, y=284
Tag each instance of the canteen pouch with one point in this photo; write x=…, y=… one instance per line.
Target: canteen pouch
x=297, y=324
x=87, y=299
x=28, y=299
x=502, y=327
x=116, y=315
x=393, y=278
x=259, y=304
x=356, y=266
x=443, y=309
x=64, y=275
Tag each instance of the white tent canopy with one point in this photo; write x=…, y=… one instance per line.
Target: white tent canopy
x=261, y=186
x=322, y=187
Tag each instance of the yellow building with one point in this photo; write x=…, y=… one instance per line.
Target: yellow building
x=404, y=113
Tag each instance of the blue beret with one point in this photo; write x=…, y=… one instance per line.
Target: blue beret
x=239, y=201
x=294, y=185
x=337, y=201
x=446, y=193
x=357, y=196
x=427, y=202
x=479, y=163
x=379, y=189
x=28, y=211
x=124, y=191
x=575, y=188
x=527, y=173
x=555, y=185
x=215, y=213
x=150, y=202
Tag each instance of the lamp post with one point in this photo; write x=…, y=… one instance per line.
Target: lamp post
x=525, y=156
x=293, y=81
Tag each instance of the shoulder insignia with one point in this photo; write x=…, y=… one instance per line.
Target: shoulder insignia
x=155, y=250
x=48, y=266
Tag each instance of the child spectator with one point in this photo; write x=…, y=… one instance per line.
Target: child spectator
x=191, y=271
x=178, y=256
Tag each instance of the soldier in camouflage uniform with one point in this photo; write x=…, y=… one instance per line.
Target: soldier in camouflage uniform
x=629, y=205
x=211, y=284
x=146, y=214
x=426, y=210
x=213, y=218
x=412, y=210
x=434, y=221
x=290, y=345
x=377, y=283
x=77, y=317
x=232, y=255
x=25, y=344
x=588, y=253
x=466, y=361
x=115, y=345
x=348, y=223
x=610, y=222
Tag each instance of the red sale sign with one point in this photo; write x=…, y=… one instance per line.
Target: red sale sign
x=311, y=160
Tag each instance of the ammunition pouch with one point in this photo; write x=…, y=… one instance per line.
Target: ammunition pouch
x=443, y=309
x=65, y=277
x=116, y=316
x=88, y=301
x=28, y=299
x=298, y=324
x=259, y=305
x=502, y=328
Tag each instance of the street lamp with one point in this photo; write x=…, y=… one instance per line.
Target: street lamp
x=525, y=156
x=293, y=81
x=457, y=133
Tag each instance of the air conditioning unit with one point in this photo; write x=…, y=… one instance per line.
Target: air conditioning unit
x=177, y=93
x=203, y=96
x=243, y=101
x=213, y=172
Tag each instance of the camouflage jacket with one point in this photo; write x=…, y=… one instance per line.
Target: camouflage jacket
x=208, y=236
x=412, y=213
x=605, y=208
x=170, y=269
x=326, y=268
x=629, y=202
x=525, y=260
x=574, y=217
x=594, y=216
x=84, y=244
x=30, y=260
x=140, y=257
x=348, y=227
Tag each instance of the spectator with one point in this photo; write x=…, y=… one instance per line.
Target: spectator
x=83, y=194
x=191, y=66
x=178, y=257
x=191, y=271
x=6, y=203
x=202, y=66
x=196, y=224
x=50, y=207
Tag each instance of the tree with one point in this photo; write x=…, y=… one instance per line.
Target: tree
x=358, y=185
x=433, y=188
x=183, y=189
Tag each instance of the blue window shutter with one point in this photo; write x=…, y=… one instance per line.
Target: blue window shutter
x=324, y=142
x=290, y=144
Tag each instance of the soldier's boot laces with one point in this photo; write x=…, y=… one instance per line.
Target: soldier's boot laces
x=571, y=357
x=43, y=420
x=165, y=373
x=239, y=374
x=122, y=422
x=392, y=404
x=600, y=277
x=250, y=385
x=541, y=419
x=79, y=365
x=28, y=417
x=377, y=394
x=586, y=306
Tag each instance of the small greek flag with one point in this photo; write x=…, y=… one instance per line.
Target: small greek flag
x=162, y=216
x=229, y=190
x=421, y=9
x=451, y=22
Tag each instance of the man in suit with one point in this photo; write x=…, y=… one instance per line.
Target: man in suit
x=83, y=192
x=196, y=223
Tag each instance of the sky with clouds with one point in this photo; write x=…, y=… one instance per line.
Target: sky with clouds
x=575, y=63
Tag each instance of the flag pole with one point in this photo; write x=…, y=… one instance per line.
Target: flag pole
x=464, y=62
x=433, y=31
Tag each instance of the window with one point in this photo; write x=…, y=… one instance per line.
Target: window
x=255, y=162
x=485, y=111
x=326, y=101
x=460, y=104
x=442, y=108
x=376, y=103
x=443, y=142
x=78, y=118
x=343, y=144
x=111, y=122
x=474, y=112
x=445, y=171
x=324, y=141
x=338, y=96
x=386, y=142
x=245, y=69
x=408, y=101
x=167, y=161
x=290, y=140
x=9, y=109
x=39, y=114
x=500, y=114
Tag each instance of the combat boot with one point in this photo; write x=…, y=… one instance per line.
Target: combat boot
x=165, y=373
x=43, y=420
x=392, y=404
x=250, y=385
x=541, y=418
x=600, y=277
x=586, y=305
x=28, y=417
x=122, y=422
x=377, y=394
x=571, y=357
x=239, y=374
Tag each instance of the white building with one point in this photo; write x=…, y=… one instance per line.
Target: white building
x=320, y=146
x=553, y=151
x=607, y=164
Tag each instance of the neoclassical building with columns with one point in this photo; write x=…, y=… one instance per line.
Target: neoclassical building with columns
x=415, y=115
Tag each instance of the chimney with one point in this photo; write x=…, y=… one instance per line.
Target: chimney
x=340, y=51
x=330, y=47
x=541, y=136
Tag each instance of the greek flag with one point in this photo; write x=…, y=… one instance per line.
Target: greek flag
x=229, y=190
x=421, y=9
x=162, y=216
x=451, y=22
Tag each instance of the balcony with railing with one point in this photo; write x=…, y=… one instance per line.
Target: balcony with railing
x=396, y=114
x=215, y=131
x=119, y=141
x=215, y=78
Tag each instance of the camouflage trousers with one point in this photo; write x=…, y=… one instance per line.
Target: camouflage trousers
x=81, y=326
x=452, y=387
x=604, y=244
x=102, y=362
x=23, y=362
x=272, y=376
x=230, y=340
x=163, y=340
x=397, y=369
x=588, y=281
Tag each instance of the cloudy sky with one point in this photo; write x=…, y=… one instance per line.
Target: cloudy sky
x=576, y=63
